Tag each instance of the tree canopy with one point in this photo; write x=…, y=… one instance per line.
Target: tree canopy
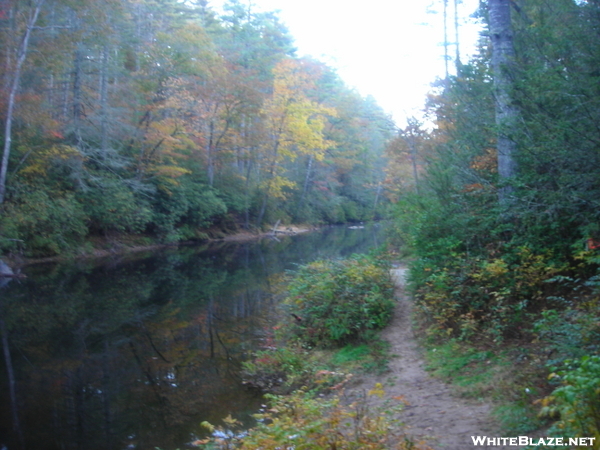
x=167, y=119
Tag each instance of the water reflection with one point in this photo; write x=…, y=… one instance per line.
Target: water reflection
x=137, y=352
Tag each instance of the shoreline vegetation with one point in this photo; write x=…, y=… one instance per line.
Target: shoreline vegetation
x=525, y=387
x=102, y=247
x=329, y=329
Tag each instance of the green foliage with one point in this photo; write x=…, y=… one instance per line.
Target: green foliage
x=567, y=334
x=112, y=206
x=487, y=373
x=181, y=210
x=45, y=224
x=302, y=421
x=350, y=353
x=518, y=418
x=464, y=366
x=340, y=301
x=285, y=369
x=363, y=357
x=488, y=270
x=577, y=401
x=470, y=296
x=214, y=118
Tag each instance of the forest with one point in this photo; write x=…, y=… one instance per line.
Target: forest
x=165, y=121
x=498, y=206
x=505, y=189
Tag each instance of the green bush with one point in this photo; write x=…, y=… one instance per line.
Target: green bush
x=468, y=296
x=568, y=334
x=340, y=301
x=112, y=206
x=183, y=208
x=577, y=401
x=46, y=225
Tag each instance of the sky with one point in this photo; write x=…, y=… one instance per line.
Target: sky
x=390, y=49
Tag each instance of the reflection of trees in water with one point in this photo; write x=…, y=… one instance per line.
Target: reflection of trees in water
x=133, y=372
x=10, y=373
x=142, y=351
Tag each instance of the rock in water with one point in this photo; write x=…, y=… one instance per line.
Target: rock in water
x=6, y=274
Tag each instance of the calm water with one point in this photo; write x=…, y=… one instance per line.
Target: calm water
x=136, y=352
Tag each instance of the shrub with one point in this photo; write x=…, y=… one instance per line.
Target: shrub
x=304, y=422
x=113, y=206
x=340, y=301
x=577, y=400
x=568, y=334
x=183, y=208
x=47, y=224
x=286, y=369
x=472, y=295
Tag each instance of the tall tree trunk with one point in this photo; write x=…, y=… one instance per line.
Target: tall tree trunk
x=413, y=157
x=305, y=187
x=410, y=137
x=247, y=197
x=263, y=209
x=446, y=37
x=78, y=111
x=267, y=195
x=209, y=131
x=8, y=46
x=14, y=87
x=104, y=103
x=456, y=37
x=377, y=194
x=507, y=114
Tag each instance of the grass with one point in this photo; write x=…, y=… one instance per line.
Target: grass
x=517, y=418
x=490, y=375
x=371, y=357
x=464, y=366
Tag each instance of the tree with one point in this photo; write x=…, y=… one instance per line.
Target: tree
x=503, y=70
x=294, y=126
x=404, y=150
x=30, y=17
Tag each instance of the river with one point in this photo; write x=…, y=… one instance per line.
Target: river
x=134, y=352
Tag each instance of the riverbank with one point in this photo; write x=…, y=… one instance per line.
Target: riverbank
x=119, y=245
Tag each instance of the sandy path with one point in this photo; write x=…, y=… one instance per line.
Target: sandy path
x=433, y=414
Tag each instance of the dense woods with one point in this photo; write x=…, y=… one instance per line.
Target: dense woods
x=165, y=119
x=499, y=202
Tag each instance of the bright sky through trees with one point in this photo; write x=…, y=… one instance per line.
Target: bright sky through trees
x=390, y=49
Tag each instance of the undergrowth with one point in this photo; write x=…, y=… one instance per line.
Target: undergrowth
x=301, y=421
x=332, y=313
x=336, y=302
x=496, y=327
x=331, y=316
x=487, y=373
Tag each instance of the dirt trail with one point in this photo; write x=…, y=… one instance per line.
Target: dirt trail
x=434, y=413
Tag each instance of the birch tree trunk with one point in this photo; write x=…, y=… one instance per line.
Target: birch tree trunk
x=507, y=114
x=104, y=103
x=14, y=87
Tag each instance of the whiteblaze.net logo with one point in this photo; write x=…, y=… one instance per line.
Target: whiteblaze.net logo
x=487, y=441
